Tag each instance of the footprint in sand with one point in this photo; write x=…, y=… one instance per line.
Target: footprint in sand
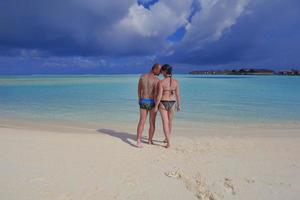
x=249, y=180
x=173, y=174
x=229, y=185
x=202, y=191
x=197, y=186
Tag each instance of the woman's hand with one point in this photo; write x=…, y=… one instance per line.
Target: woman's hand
x=178, y=108
x=155, y=108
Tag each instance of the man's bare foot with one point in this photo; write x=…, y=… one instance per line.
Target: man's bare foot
x=150, y=142
x=139, y=145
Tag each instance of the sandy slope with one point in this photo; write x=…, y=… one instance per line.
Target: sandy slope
x=104, y=164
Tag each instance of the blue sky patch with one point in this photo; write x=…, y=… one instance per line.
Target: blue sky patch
x=147, y=3
x=177, y=35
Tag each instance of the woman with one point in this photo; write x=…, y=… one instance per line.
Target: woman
x=168, y=99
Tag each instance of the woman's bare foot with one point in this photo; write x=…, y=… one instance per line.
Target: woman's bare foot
x=139, y=144
x=165, y=141
x=168, y=145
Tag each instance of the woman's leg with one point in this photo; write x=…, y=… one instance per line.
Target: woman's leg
x=171, y=115
x=165, y=121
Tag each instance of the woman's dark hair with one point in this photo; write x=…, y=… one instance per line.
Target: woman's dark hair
x=168, y=69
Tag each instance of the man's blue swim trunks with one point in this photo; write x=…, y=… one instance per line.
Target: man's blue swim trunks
x=146, y=103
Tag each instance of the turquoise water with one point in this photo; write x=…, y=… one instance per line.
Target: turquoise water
x=263, y=99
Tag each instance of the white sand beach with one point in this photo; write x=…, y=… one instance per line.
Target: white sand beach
x=104, y=164
x=83, y=82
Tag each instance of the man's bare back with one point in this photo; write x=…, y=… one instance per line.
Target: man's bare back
x=148, y=84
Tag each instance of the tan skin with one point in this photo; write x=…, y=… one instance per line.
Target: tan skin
x=164, y=93
x=147, y=88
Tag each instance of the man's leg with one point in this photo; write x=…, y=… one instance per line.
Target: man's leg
x=140, y=128
x=152, y=120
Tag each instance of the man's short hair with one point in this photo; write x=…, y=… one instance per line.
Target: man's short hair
x=155, y=65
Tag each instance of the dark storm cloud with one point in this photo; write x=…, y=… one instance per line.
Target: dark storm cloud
x=70, y=27
x=86, y=28
x=128, y=35
x=267, y=34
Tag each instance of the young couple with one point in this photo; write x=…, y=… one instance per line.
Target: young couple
x=155, y=94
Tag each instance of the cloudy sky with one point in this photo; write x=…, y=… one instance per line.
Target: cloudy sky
x=128, y=36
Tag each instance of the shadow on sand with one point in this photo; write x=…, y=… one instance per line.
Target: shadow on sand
x=124, y=136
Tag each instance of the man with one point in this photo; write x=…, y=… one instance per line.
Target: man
x=147, y=94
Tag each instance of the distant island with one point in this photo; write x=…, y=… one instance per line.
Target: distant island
x=247, y=71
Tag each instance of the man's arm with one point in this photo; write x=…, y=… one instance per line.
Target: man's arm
x=159, y=95
x=140, y=89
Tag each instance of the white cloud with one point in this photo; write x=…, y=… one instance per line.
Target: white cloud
x=122, y=28
x=214, y=18
x=161, y=20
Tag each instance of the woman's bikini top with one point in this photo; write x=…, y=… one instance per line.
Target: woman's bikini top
x=171, y=91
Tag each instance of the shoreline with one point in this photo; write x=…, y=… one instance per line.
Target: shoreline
x=195, y=129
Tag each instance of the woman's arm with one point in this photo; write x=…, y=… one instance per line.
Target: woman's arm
x=159, y=95
x=178, y=98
